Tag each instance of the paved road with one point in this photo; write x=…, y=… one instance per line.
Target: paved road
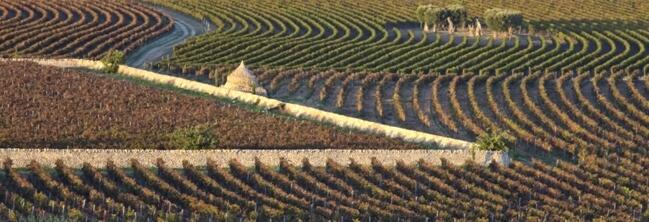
x=185, y=27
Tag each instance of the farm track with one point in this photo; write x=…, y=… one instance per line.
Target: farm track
x=155, y=50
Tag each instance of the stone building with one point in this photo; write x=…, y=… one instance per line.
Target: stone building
x=242, y=79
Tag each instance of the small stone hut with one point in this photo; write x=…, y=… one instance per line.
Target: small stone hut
x=242, y=79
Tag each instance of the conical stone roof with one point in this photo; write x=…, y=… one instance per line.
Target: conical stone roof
x=242, y=79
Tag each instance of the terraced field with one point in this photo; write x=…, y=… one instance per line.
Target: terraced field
x=570, y=88
x=46, y=107
x=83, y=29
x=578, y=84
x=565, y=192
x=569, y=113
x=546, y=110
x=371, y=36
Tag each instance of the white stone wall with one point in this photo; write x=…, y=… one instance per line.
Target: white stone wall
x=174, y=158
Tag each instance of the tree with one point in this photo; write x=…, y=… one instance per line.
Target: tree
x=458, y=15
x=421, y=14
x=494, y=141
x=501, y=20
x=112, y=60
x=435, y=16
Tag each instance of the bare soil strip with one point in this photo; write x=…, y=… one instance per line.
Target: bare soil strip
x=185, y=27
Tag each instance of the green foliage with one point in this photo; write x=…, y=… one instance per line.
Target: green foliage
x=434, y=15
x=411, y=55
x=494, y=141
x=11, y=216
x=130, y=214
x=501, y=20
x=421, y=13
x=458, y=14
x=40, y=199
x=112, y=60
x=16, y=54
x=531, y=28
x=625, y=191
x=75, y=215
x=198, y=137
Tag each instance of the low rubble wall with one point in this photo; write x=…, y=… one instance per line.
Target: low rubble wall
x=174, y=158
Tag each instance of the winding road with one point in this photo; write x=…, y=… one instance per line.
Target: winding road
x=185, y=27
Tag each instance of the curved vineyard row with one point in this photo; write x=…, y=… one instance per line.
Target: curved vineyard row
x=370, y=35
x=571, y=112
x=85, y=29
x=562, y=191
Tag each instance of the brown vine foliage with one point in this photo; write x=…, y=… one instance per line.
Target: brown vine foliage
x=58, y=108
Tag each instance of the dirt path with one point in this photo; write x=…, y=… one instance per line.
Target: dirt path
x=185, y=27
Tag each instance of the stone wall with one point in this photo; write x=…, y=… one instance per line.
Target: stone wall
x=174, y=158
x=287, y=108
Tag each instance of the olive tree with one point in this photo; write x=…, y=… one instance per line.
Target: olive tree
x=458, y=14
x=421, y=14
x=502, y=20
x=435, y=16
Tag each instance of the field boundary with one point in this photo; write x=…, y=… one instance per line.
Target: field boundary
x=174, y=158
x=295, y=110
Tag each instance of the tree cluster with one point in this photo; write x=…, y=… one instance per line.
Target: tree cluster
x=502, y=20
x=438, y=16
x=499, y=20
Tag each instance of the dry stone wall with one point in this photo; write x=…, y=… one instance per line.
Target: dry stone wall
x=288, y=108
x=174, y=158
